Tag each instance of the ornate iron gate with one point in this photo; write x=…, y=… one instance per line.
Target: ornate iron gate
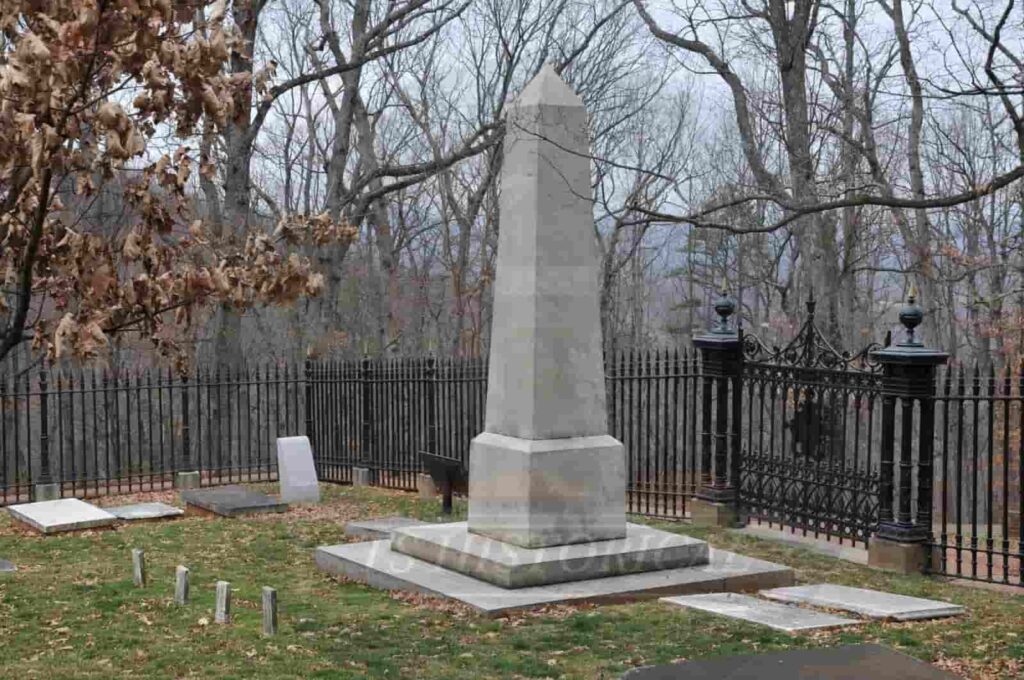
x=810, y=439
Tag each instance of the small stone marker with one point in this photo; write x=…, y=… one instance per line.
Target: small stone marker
x=753, y=610
x=360, y=476
x=139, y=567
x=870, y=603
x=852, y=662
x=222, y=613
x=68, y=514
x=145, y=511
x=296, y=471
x=7, y=566
x=376, y=529
x=181, y=585
x=231, y=501
x=269, y=611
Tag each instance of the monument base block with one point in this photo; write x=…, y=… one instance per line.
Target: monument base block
x=510, y=566
x=376, y=564
x=705, y=513
x=536, y=493
x=902, y=558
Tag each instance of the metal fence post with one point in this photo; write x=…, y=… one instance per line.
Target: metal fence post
x=721, y=349
x=902, y=540
x=361, y=475
x=45, y=488
x=432, y=424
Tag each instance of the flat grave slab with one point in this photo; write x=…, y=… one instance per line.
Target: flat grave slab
x=66, y=514
x=296, y=471
x=873, y=604
x=231, y=501
x=754, y=610
x=7, y=566
x=379, y=528
x=376, y=564
x=144, y=511
x=451, y=545
x=852, y=662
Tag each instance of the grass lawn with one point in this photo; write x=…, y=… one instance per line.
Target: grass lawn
x=71, y=610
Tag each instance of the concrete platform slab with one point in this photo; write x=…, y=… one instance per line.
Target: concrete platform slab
x=873, y=604
x=7, y=566
x=375, y=563
x=782, y=617
x=380, y=528
x=145, y=511
x=451, y=545
x=852, y=662
x=68, y=514
x=231, y=501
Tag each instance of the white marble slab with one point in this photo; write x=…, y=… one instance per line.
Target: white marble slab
x=873, y=604
x=67, y=514
x=142, y=511
x=6, y=566
x=754, y=610
x=296, y=471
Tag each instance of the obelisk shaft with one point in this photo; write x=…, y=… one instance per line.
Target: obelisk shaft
x=545, y=471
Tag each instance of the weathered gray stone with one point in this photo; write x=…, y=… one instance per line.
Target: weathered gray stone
x=376, y=529
x=46, y=492
x=68, y=514
x=231, y=501
x=360, y=476
x=425, y=486
x=145, y=511
x=753, y=610
x=871, y=603
x=545, y=471
x=537, y=493
x=546, y=377
x=222, y=604
x=139, y=567
x=296, y=471
x=181, y=593
x=269, y=621
x=7, y=566
x=511, y=566
x=187, y=480
x=376, y=564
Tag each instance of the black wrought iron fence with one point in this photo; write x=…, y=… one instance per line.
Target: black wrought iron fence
x=99, y=432
x=804, y=436
x=979, y=475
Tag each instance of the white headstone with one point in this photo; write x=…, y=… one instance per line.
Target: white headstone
x=296, y=472
x=545, y=471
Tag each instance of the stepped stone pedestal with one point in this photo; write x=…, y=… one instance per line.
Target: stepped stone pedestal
x=547, y=482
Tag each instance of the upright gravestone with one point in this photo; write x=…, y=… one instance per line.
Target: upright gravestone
x=296, y=471
x=545, y=471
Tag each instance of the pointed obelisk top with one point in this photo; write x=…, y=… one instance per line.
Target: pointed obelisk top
x=548, y=89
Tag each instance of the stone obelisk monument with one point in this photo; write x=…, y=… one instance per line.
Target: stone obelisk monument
x=547, y=483
x=545, y=471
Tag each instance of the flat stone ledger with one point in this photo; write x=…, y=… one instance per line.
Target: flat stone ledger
x=536, y=493
x=145, y=511
x=69, y=514
x=453, y=547
x=231, y=501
